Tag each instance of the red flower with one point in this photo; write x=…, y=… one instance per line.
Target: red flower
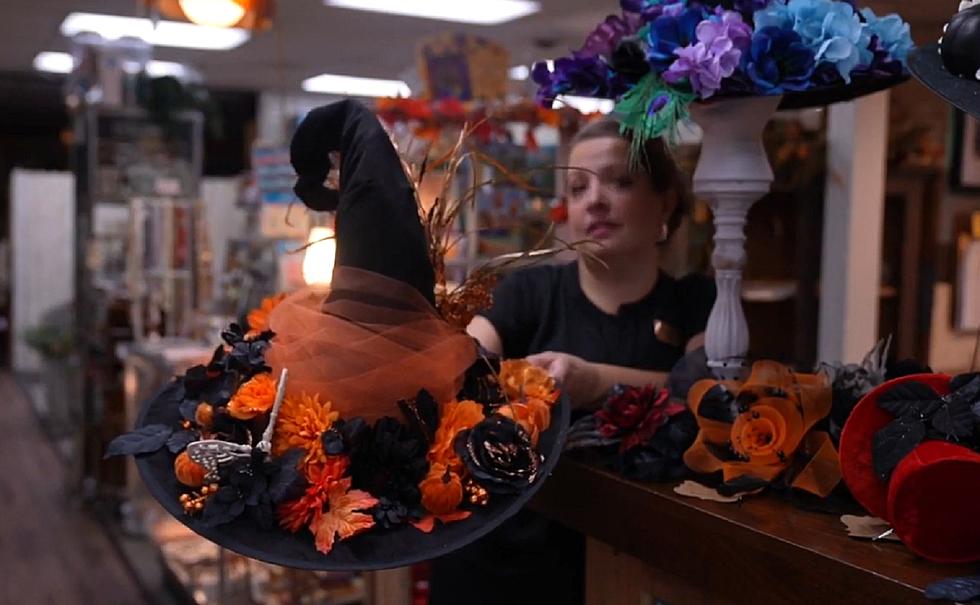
x=634, y=414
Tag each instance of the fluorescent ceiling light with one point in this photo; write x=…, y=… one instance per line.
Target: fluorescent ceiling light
x=166, y=33
x=63, y=63
x=586, y=104
x=56, y=63
x=357, y=87
x=519, y=72
x=482, y=12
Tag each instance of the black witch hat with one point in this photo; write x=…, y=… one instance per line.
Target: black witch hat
x=951, y=67
x=379, y=234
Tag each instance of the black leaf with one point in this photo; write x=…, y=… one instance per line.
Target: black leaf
x=960, y=589
x=966, y=393
x=894, y=442
x=222, y=508
x=953, y=419
x=181, y=439
x=188, y=409
x=741, y=485
x=724, y=453
x=903, y=398
x=976, y=411
x=288, y=480
x=172, y=394
x=264, y=515
x=718, y=404
x=958, y=382
x=422, y=414
x=148, y=439
x=333, y=442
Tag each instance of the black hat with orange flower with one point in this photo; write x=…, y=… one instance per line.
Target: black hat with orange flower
x=362, y=428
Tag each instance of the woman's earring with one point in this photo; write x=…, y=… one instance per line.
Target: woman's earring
x=664, y=233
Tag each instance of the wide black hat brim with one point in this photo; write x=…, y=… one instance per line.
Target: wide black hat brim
x=926, y=65
x=375, y=549
x=829, y=95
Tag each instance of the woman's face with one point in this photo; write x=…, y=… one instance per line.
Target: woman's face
x=611, y=205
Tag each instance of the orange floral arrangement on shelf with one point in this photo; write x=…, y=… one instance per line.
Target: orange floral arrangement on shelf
x=762, y=429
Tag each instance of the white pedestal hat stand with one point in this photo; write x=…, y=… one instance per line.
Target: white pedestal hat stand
x=733, y=173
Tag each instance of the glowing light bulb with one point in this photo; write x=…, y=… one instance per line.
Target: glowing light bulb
x=214, y=13
x=321, y=253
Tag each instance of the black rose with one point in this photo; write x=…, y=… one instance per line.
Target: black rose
x=630, y=60
x=388, y=461
x=498, y=454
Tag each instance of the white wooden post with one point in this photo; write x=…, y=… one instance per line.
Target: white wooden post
x=854, y=206
x=733, y=173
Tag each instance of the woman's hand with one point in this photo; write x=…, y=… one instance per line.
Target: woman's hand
x=578, y=378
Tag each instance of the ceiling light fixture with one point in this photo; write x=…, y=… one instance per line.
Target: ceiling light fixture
x=63, y=63
x=214, y=13
x=355, y=86
x=166, y=33
x=483, y=12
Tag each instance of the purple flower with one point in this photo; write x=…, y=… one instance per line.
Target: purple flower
x=721, y=41
x=607, y=35
x=779, y=61
x=742, y=6
x=883, y=63
x=581, y=75
x=649, y=10
x=669, y=33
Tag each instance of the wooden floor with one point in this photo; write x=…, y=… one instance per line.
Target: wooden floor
x=51, y=552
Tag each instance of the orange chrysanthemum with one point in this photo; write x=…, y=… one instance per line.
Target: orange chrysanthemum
x=534, y=416
x=442, y=490
x=293, y=515
x=521, y=380
x=301, y=424
x=253, y=398
x=258, y=318
x=456, y=416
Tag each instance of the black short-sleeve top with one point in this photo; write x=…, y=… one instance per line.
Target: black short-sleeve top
x=543, y=308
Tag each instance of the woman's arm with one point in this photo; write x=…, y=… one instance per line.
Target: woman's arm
x=586, y=382
x=483, y=331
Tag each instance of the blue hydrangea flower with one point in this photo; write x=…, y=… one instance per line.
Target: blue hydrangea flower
x=586, y=76
x=779, y=61
x=832, y=30
x=668, y=33
x=652, y=9
x=894, y=35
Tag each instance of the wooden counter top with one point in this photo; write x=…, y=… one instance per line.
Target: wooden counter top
x=761, y=551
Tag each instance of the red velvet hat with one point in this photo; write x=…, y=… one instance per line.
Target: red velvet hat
x=908, y=454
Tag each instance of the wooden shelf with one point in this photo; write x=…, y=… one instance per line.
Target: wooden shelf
x=762, y=550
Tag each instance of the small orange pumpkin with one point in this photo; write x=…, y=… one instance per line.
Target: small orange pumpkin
x=442, y=490
x=204, y=415
x=188, y=472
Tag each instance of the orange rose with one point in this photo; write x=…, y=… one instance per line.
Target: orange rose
x=456, y=417
x=520, y=380
x=258, y=318
x=533, y=416
x=253, y=398
x=767, y=423
x=442, y=490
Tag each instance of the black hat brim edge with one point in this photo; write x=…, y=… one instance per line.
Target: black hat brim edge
x=926, y=65
x=372, y=550
x=829, y=95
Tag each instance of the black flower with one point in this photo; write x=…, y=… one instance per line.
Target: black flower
x=498, y=454
x=254, y=485
x=390, y=513
x=388, y=461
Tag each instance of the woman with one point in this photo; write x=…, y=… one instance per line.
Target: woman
x=610, y=317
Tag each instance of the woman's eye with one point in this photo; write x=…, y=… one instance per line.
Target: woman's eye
x=624, y=182
x=577, y=190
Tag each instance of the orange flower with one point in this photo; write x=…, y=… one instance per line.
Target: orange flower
x=341, y=519
x=258, y=318
x=442, y=490
x=456, y=417
x=533, y=416
x=521, y=380
x=771, y=431
x=294, y=514
x=253, y=398
x=301, y=424
x=188, y=472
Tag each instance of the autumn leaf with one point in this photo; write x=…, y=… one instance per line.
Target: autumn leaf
x=341, y=519
x=427, y=523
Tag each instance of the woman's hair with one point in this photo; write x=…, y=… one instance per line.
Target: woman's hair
x=656, y=161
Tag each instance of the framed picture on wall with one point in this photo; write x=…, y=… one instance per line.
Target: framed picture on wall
x=965, y=158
